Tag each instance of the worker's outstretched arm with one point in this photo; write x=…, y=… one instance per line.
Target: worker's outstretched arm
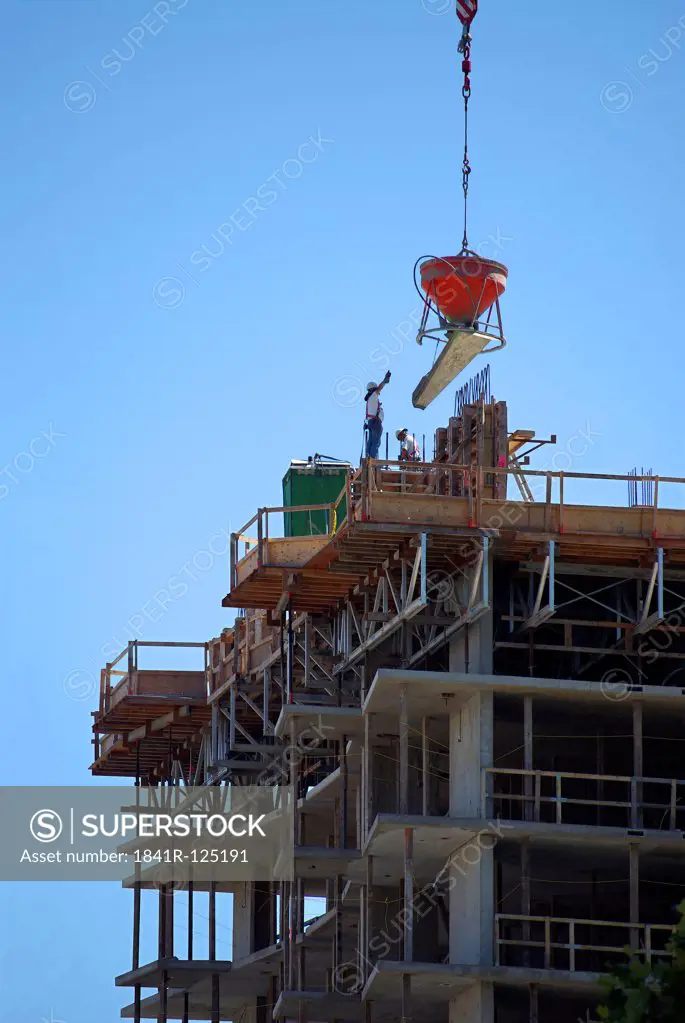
x=384, y=381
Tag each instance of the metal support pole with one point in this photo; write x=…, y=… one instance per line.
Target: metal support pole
x=339, y=957
x=292, y=886
x=291, y=653
x=636, y=814
x=186, y=996
x=424, y=767
x=408, y=895
x=634, y=855
x=265, y=701
x=533, y=1015
x=216, y=998
x=525, y=895
x=368, y=922
x=307, y=645
x=367, y=776
x=164, y=998
x=161, y=923
x=528, y=755
x=404, y=750
x=406, y=998
x=345, y=792
x=212, y=920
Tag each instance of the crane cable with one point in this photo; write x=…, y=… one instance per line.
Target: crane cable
x=466, y=12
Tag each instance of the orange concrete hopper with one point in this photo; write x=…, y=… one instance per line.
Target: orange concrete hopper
x=462, y=289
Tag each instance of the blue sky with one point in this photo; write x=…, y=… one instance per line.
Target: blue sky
x=143, y=418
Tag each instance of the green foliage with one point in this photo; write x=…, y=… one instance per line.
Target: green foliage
x=638, y=992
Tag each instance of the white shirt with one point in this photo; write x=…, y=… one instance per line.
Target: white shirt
x=411, y=447
x=374, y=407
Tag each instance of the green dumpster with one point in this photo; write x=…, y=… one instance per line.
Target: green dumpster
x=310, y=483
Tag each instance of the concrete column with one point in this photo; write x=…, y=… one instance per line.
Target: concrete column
x=243, y=910
x=475, y=1005
x=472, y=902
x=471, y=750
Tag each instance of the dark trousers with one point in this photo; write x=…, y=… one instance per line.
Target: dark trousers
x=374, y=434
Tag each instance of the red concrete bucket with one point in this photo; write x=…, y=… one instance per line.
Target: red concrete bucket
x=463, y=287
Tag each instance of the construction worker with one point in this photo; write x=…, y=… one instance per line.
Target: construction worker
x=409, y=448
x=373, y=425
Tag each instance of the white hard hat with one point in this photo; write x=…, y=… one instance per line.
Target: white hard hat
x=399, y=433
x=371, y=386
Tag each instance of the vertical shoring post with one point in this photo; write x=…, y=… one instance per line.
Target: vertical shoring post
x=216, y=998
x=169, y=942
x=367, y=773
x=307, y=646
x=636, y=815
x=525, y=896
x=424, y=767
x=232, y=710
x=216, y=1017
x=164, y=998
x=409, y=895
x=634, y=863
x=161, y=923
x=136, y=907
x=337, y=969
x=291, y=652
x=368, y=920
x=406, y=998
x=292, y=913
x=214, y=742
x=283, y=661
x=404, y=750
x=212, y=920
x=528, y=756
x=281, y=931
x=266, y=699
x=301, y=962
x=533, y=1015
x=186, y=996
x=345, y=793
x=660, y=584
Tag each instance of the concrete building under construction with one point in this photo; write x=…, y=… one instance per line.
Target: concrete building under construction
x=470, y=673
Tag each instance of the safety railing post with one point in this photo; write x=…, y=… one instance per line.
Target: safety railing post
x=538, y=784
x=260, y=538
x=558, y=797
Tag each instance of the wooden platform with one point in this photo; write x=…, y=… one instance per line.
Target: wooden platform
x=143, y=695
x=146, y=714
x=389, y=506
x=144, y=748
